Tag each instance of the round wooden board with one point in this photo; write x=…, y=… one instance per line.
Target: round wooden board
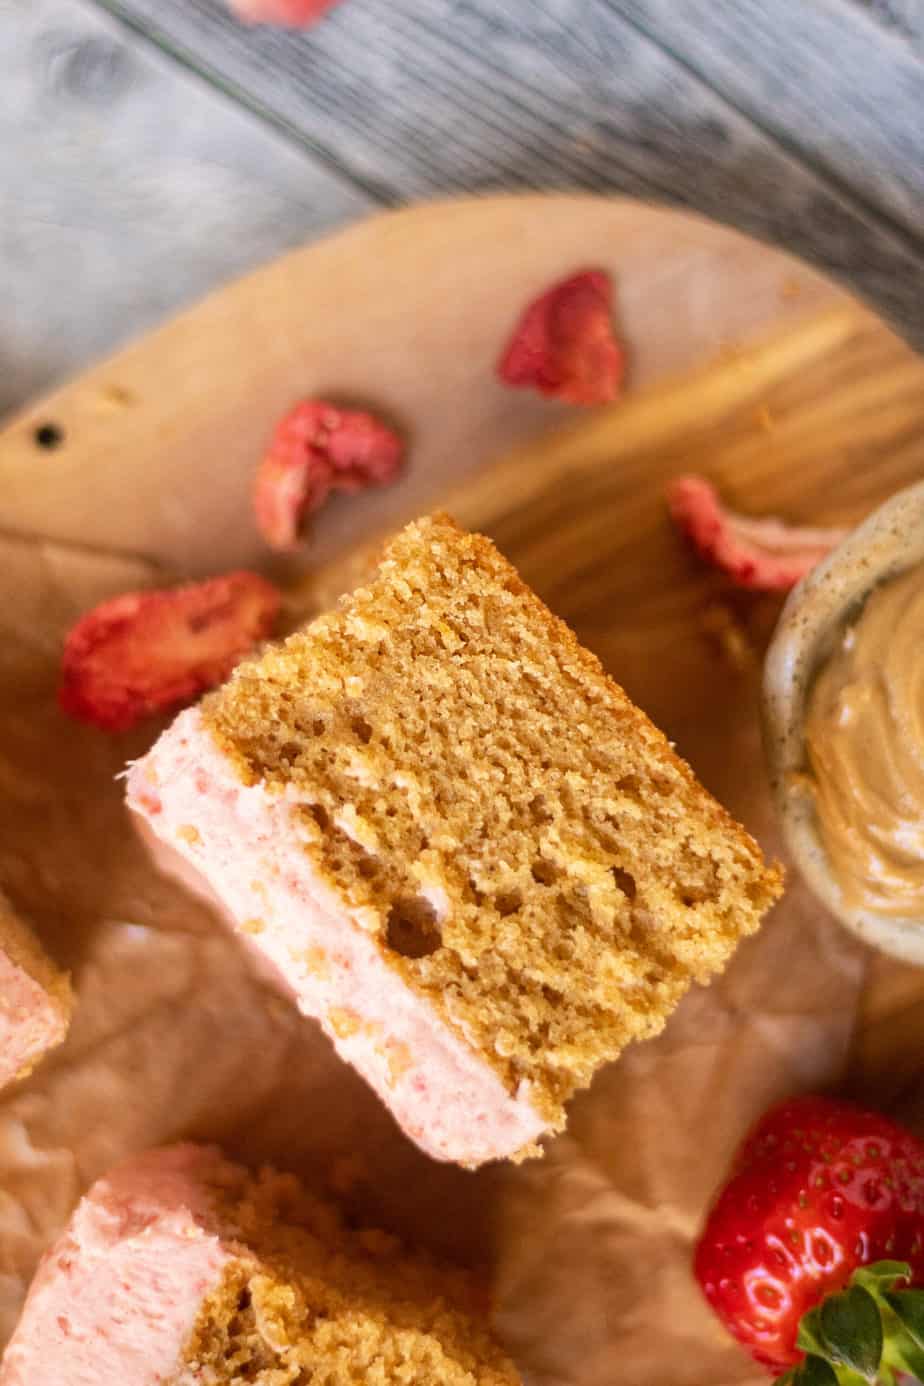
x=744, y=366
x=408, y=312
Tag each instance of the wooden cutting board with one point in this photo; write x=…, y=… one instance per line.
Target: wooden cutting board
x=744, y=366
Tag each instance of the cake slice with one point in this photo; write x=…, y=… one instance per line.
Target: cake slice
x=465, y=850
x=181, y=1269
x=35, y=998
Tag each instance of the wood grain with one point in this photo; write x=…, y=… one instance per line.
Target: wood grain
x=416, y=100
x=127, y=189
x=806, y=73
x=407, y=312
x=903, y=17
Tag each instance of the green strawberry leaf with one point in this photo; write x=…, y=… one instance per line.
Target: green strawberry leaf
x=815, y=1371
x=851, y=1331
x=901, y=1355
x=881, y=1275
x=908, y=1308
x=810, y=1337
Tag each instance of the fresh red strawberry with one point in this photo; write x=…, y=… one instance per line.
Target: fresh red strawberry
x=293, y=14
x=564, y=345
x=144, y=651
x=763, y=554
x=316, y=449
x=819, y=1190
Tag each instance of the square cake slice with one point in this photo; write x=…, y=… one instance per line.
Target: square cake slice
x=35, y=998
x=465, y=850
x=182, y=1269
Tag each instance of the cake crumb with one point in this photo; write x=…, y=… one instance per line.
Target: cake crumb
x=400, y=1060
x=344, y=1023
x=724, y=628
x=317, y=962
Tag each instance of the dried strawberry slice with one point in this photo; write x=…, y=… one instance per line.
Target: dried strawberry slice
x=564, y=344
x=294, y=14
x=144, y=651
x=316, y=449
x=767, y=555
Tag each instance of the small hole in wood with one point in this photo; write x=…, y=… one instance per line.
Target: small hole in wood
x=413, y=929
x=320, y=816
x=624, y=882
x=48, y=436
x=545, y=872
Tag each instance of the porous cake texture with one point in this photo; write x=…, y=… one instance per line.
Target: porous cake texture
x=35, y=998
x=518, y=872
x=180, y=1268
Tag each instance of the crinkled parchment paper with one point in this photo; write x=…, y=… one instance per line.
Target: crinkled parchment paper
x=176, y=1035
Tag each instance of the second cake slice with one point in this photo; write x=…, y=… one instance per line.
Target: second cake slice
x=465, y=850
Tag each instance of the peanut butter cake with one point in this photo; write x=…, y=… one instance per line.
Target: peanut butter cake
x=35, y=998
x=465, y=850
x=181, y=1269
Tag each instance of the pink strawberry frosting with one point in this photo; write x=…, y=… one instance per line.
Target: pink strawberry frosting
x=248, y=844
x=115, y=1300
x=32, y=1021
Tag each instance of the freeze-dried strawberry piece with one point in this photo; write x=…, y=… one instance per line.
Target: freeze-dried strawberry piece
x=767, y=555
x=318, y=448
x=144, y=651
x=293, y=14
x=564, y=344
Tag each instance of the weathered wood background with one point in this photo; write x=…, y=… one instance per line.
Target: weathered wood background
x=150, y=149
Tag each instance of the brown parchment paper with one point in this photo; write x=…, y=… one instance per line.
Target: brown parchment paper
x=176, y=1035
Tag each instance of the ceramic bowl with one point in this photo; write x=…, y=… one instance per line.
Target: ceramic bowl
x=889, y=542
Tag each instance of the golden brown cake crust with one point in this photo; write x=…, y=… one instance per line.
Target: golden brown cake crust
x=312, y=1302
x=525, y=845
x=20, y=944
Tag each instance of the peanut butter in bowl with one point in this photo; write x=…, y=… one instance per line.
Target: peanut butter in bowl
x=864, y=736
x=844, y=727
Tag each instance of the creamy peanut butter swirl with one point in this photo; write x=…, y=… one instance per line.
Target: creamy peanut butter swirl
x=864, y=735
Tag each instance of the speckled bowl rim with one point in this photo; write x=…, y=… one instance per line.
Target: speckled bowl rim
x=889, y=542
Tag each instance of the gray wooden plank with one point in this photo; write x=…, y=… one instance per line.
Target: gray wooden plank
x=128, y=187
x=432, y=96
x=823, y=77
x=905, y=17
